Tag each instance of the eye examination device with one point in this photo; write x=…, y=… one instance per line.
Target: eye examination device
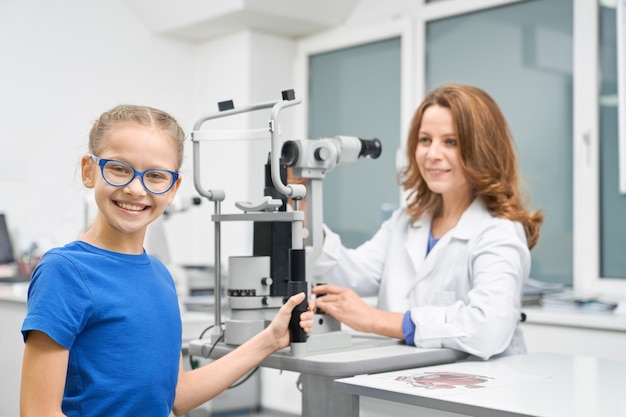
x=287, y=228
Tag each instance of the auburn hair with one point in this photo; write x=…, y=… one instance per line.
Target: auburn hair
x=487, y=153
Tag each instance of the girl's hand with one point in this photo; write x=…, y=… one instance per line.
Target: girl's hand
x=279, y=327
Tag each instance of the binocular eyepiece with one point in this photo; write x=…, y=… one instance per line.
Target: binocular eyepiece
x=370, y=148
x=326, y=153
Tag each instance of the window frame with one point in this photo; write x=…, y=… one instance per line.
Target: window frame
x=586, y=228
x=355, y=35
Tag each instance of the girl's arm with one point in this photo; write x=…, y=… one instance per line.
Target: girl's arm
x=44, y=370
x=200, y=385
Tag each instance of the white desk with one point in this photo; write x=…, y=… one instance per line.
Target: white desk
x=319, y=371
x=540, y=384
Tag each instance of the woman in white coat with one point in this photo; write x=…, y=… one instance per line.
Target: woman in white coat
x=448, y=269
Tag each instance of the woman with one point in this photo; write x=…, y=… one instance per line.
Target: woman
x=448, y=269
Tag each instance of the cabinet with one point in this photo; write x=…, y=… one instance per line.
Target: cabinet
x=12, y=313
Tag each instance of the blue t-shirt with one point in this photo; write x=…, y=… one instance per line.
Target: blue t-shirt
x=118, y=316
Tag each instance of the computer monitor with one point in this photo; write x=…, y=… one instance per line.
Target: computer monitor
x=7, y=255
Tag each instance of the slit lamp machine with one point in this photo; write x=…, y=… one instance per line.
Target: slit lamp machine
x=284, y=249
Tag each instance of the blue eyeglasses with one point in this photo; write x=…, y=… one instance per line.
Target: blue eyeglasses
x=120, y=174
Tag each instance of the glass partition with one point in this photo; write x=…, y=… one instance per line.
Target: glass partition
x=355, y=91
x=522, y=54
x=612, y=203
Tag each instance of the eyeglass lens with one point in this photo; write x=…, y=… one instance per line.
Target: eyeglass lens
x=155, y=180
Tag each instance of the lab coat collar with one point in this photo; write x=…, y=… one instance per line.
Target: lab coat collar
x=417, y=238
x=469, y=221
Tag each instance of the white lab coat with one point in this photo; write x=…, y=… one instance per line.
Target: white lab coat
x=465, y=294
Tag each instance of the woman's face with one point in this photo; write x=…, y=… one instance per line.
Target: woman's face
x=438, y=156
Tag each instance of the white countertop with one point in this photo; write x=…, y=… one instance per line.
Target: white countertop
x=571, y=318
x=15, y=291
x=538, y=384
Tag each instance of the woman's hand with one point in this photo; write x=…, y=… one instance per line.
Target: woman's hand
x=346, y=306
x=349, y=308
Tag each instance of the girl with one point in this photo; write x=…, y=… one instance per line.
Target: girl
x=103, y=330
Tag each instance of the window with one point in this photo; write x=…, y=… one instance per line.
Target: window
x=521, y=54
x=552, y=66
x=612, y=202
x=354, y=81
x=339, y=105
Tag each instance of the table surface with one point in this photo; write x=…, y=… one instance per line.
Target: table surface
x=368, y=354
x=537, y=384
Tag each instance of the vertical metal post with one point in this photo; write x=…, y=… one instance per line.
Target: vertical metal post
x=217, y=287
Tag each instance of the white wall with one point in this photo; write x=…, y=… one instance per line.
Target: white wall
x=63, y=63
x=248, y=68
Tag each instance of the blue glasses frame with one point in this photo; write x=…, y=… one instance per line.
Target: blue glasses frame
x=102, y=162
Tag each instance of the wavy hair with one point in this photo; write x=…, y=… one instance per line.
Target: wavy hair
x=488, y=158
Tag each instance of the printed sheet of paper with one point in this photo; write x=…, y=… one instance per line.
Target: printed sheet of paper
x=446, y=380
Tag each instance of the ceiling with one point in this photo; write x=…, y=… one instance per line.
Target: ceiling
x=201, y=20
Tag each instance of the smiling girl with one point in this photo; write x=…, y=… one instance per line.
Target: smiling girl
x=103, y=331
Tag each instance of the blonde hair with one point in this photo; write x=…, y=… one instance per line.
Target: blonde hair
x=142, y=115
x=487, y=153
